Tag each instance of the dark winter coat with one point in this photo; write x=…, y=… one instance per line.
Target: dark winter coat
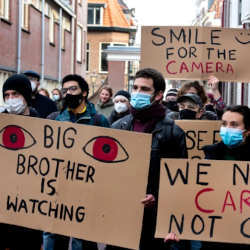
x=168, y=141
x=207, y=115
x=43, y=105
x=89, y=117
x=116, y=116
x=220, y=151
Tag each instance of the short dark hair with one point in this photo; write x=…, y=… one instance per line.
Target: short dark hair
x=32, y=73
x=244, y=111
x=80, y=80
x=158, y=79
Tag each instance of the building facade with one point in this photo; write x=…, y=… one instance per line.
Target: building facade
x=47, y=36
x=228, y=14
x=110, y=23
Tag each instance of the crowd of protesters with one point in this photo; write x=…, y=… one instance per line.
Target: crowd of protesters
x=143, y=110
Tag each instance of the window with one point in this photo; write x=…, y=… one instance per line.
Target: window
x=79, y=44
x=240, y=12
x=87, y=56
x=103, y=55
x=51, y=27
x=4, y=9
x=63, y=34
x=25, y=15
x=95, y=15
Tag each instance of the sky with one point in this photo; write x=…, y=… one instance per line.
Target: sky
x=163, y=12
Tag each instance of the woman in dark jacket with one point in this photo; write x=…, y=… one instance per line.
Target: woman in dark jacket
x=235, y=145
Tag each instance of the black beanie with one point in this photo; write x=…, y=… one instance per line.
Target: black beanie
x=123, y=93
x=21, y=84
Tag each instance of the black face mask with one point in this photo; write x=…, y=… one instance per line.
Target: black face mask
x=187, y=114
x=210, y=107
x=72, y=101
x=172, y=105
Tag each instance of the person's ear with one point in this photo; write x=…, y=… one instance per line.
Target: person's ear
x=158, y=96
x=200, y=113
x=84, y=94
x=246, y=133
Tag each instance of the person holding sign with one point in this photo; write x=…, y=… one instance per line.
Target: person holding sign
x=17, y=99
x=76, y=109
x=148, y=115
x=216, y=102
x=235, y=145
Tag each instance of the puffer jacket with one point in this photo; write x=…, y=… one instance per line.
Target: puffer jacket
x=89, y=117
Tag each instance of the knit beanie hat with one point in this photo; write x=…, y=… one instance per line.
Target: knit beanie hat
x=123, y=93
x=21, y=84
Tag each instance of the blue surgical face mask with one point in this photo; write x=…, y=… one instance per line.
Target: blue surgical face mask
x=231, y=136
x=140, y=100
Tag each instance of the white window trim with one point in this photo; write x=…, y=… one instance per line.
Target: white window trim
x=5, y=11
x=101, y=17
x=87, y=53
x=100, y=53
x=77, y=44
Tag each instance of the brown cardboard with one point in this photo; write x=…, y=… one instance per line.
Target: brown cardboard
x=214, y=200
x=103, y=192
x=196, y=52
x=199, y=133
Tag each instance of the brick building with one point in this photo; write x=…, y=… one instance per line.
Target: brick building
x=47, y=36
x=110, y=23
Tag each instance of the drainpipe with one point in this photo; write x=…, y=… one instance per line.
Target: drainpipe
x=19, y=35
x=72, y=39
x=72, y=44
x=60, y=47
x=75, y=34
x=42, y=42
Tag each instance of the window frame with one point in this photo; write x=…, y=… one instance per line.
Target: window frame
x=5, y=9
x=94, y=16
x=101, y=51
x=79, y=43
x=87, y=56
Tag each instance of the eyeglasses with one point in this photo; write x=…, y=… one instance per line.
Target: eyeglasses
x=70, y=89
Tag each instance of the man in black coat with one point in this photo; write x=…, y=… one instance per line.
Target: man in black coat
x=148, y=115
x=42, y=104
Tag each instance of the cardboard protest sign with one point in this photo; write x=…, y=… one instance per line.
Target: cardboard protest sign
x=204, y=200
x=196, y=52
x=199, y=133
x=71, y=179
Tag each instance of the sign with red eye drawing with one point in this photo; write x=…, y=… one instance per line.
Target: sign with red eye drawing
x=205, y=200
x=197, y=52
x=71, y=179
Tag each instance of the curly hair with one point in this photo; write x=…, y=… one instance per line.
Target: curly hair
x=199, y=88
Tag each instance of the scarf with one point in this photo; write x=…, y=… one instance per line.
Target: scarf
x=146, y=119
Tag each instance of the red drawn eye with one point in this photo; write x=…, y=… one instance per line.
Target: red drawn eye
x=105, y=149
x=14, y=137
